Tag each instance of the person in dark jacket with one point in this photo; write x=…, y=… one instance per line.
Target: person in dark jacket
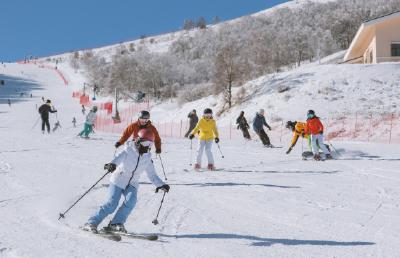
x=44, y=111
x=243, y=125
x=193, y=120
x=258, y=127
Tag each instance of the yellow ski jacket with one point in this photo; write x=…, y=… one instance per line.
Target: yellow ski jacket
x=300, y=129
x=206, y=128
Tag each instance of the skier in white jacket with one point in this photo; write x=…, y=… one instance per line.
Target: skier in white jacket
x=127, y=168
x=89, y=123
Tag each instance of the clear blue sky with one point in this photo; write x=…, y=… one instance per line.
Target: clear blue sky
x=45, y=27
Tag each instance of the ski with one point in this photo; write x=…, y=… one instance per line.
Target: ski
x=106, y=235
x=137, y=236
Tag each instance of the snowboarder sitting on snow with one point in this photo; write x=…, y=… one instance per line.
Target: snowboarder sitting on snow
x=44, y=111
x=299, y=129
x=207, y=130
x=243, y=125
x=89, y=123
x=315, y=129
x=193, y=120
x=258, y=127
x=128, y=167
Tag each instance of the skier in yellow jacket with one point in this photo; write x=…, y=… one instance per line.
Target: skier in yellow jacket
x=207, y=130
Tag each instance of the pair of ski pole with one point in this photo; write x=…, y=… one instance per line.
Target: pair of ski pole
x=191, y=151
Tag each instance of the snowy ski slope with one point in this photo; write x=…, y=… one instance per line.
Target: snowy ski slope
x=262, y=204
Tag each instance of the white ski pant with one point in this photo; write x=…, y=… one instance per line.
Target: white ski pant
x=320, y=139
x=207, y=146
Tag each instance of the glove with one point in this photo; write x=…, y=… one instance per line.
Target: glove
x=269, y=128
x=165, y=188
x=158, y=151
x=55, y=111
x=110, y=167
x=289, y=150
x=191, y=136
x=321, y=132
x=216, y=140
x=117, y=144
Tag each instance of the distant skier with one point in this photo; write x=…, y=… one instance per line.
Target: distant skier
x=243, y=125
x=89, y=123
x=258, y=127
x=299, y=130
x=193, y=120
x=315, y=129
x=83, y=109
x=56, y=126
x=9, y=102
x=42, y=98
x=207, y=130
x=128, y=167
x=44, y=111
x=74, y=121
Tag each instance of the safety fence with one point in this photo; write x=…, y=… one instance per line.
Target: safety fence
x=105, y=122
x=53, y=68
x=364, y=128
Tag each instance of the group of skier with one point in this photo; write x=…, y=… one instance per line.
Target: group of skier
x=135, y=158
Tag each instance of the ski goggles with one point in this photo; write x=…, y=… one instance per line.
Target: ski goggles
x=143, y=120
x=144, y=143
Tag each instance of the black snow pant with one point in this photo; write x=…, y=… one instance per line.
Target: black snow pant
x=264, y=137
x=246, y=133
x=45, y=122
x=191, y=127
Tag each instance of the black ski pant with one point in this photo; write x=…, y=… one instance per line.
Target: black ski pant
x=264, y=137
x=191, y=127
x=45, y=122
x=246, y=133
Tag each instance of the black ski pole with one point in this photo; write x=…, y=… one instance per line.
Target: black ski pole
x=334, y=149
x=35, y=123
x=155, y=221
x=162, y=165
x=62, y=215
x=191, y=151
x=219, y=148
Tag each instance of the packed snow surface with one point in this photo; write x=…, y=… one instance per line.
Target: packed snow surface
x=263, y=203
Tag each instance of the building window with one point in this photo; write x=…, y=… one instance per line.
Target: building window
x=395, y=49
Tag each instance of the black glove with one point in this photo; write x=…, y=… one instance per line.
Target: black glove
x=55, y=111
x=165, y=188
x=110, y=167
x=269, y=128
x=191, y=136
x=117, y=144
x=289, y=150
x=216, y=140
x=158, y=151
x=321, y=132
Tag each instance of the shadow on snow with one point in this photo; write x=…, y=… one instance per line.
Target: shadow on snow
x=262, y=241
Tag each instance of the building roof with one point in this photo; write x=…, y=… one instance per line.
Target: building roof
x=364, y=29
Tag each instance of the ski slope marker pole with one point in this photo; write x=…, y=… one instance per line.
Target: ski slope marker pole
x=162, y=165
x=219, y=148
x=62, y=215
x=155, y=221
